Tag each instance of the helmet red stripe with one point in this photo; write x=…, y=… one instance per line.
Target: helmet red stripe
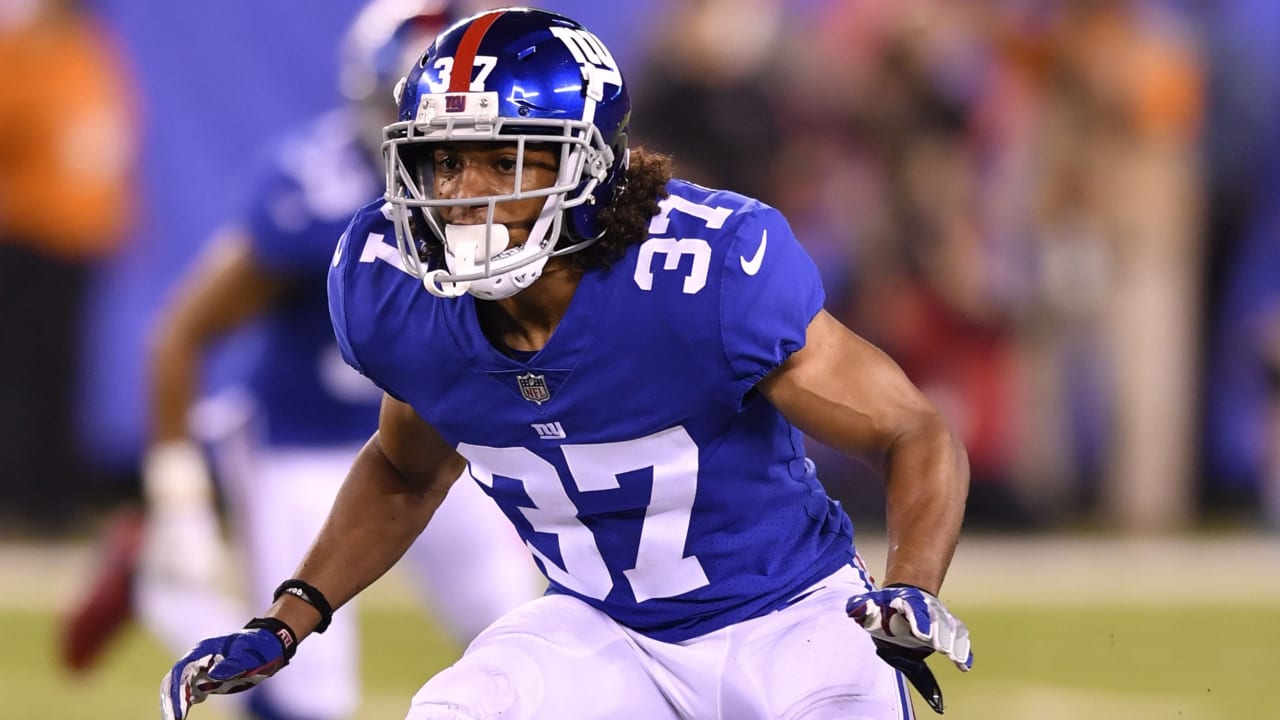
x=465, y=58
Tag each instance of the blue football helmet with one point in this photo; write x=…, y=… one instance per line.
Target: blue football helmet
x=515, y=75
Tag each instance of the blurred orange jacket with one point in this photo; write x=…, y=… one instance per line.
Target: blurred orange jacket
x=68, y=143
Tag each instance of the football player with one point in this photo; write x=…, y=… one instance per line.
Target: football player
x=625, y=363
x=282, y=461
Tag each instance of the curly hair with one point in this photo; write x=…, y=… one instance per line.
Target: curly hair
x=626, y=219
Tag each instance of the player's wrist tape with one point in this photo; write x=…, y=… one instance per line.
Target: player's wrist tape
x=285, y=634
x=309, y=595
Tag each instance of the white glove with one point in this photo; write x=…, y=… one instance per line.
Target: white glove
x=907, y=625
x=182, y=540
x=909, y=617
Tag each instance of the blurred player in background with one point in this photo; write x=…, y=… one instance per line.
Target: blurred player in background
x=625, y=362
x=282, y=454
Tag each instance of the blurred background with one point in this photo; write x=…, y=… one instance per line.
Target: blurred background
x=1061, y=217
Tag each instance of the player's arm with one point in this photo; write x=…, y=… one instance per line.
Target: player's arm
x=395, y=485
x=224, y=288
x=847, y=394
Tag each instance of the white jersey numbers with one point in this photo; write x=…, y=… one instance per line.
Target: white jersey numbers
x=673, y=249
x=583, y=570
x=376, y=249
x=712, y=217
x=660, y=568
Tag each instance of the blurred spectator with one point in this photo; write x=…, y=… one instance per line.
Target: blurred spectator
x=931, y=275
x=1244, y=387
x=1241, y=147
x=67, y=155
x=1118, y=233
x=1020, y=195
x=1242, y=128
x=709, y=99
x=1270, y=493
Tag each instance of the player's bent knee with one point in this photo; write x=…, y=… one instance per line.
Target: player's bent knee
x=483, y=685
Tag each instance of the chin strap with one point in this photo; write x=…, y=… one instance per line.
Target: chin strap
x=434, y=285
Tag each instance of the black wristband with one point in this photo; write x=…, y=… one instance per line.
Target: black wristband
x=285, y=634
x=309, y=595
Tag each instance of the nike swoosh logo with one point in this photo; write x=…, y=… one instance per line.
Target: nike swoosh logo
x=752, y=266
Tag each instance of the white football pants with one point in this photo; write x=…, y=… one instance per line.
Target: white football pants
x=556, y=658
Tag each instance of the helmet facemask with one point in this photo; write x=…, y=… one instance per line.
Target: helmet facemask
x=477, y=258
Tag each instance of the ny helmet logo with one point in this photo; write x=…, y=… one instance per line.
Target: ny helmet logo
x=533, y=387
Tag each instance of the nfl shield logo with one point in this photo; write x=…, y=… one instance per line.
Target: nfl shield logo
x=455, y=103
x=533, y=387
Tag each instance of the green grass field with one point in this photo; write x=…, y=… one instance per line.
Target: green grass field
x=1197, y=655
x=1101, y=663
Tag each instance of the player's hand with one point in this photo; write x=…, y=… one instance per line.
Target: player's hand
x=226, y=664
x=182, y=539
x=909, y=624
x=182, y=546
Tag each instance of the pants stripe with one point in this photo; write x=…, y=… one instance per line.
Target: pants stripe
x=908, y=713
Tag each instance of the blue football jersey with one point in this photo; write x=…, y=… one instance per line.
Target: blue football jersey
x=303, y=195
x=632, y=453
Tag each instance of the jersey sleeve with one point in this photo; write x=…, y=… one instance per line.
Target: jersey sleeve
x=338, y=301
x=770, y=291
x=340, y=292
x=276, y=218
